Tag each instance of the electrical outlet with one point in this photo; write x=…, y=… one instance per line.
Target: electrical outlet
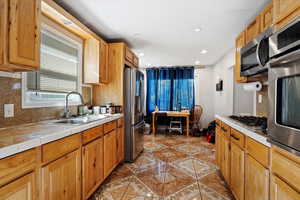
x=260, y=98
x=8, y=110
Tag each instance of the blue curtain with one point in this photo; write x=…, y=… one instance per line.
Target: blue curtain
x=170, y=88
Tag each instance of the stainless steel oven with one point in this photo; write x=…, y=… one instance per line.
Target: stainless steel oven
x=255, y=55
x=284, y=88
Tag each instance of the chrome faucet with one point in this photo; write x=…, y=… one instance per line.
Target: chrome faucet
x=67, y=110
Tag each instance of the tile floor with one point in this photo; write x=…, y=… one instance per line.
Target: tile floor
x=170, y=168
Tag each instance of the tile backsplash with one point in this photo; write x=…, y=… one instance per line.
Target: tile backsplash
x=10, y=93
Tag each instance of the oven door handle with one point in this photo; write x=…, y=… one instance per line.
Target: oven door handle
x=290, y=57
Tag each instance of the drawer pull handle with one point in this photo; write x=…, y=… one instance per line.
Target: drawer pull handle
x=234, y=137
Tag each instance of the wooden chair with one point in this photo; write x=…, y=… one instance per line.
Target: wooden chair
x=195, y=118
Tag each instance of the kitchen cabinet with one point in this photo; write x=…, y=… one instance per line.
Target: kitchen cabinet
x=23, y=188
x=110, y=152
x=237, y=171
x=91, y=62
x=20, y=35
x=129, y=56
x=285, y=11
x=240, y=42
x=120, y=141
x=281, y=190
x=266, y=17
x=92, y=166
x=256, y=180
x=61, y=179
x=104, y=73
x=218, y=143
x=253, y=29
x=136, y=61
x=225, y=161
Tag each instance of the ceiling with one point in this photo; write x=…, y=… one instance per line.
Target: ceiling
x=164, y=30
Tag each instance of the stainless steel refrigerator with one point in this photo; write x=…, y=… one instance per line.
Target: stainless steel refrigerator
x=134, y=116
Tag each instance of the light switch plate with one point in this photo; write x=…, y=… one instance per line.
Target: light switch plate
x=8, y=110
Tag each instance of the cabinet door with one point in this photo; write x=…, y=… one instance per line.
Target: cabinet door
x=285, y=11
x=110, y=154
x=282, y=191
x=266, y=17
x=256, y=180
x=120, y=145
x=91, y=61
x=226, y=159
x=92, y=163
x=253, y=29
x=61, y=178
x=237, y=171
x=104, y=78
x=240, y=42
x=218, y=145
x=24, y=33
x=21, y=189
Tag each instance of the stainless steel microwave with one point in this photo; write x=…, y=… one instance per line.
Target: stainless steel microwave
x=284, y=88
x=255, y=55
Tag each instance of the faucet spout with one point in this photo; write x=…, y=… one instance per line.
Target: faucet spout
x=67, y=110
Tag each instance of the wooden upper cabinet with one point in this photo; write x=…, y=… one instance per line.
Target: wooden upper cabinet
x=266, y=17
x=240, y=42
x=129, y=55
x=256, y=180
x=285, y=11
x=23, y=188
x=20, y=35
x=104, y=72
x=282, y=191
x=136, y=61
x=237, y=171
x=61, y=179
x=91, y=61
x=92, y=163
x=253, y=29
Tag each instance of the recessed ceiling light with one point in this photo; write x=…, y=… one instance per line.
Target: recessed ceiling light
x=197, y=62
x=203, y=51
x=141, y=54
x=197, y=30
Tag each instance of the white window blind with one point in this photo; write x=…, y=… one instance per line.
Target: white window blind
x=59, y=65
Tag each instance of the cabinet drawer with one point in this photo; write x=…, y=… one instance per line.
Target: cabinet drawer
x=120, y=122
x=237, y=138
x=108, y=127
x=258, y=151
x=17, y=165
x=129, y=55
x=92, y=134
x=226, y=129
x=56, y=149
x=286, y=166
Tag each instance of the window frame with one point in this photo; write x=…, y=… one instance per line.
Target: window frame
x=58, y=33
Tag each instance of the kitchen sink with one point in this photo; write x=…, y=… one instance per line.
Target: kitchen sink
x=82, y=120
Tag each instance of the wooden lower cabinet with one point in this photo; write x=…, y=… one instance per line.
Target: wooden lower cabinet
x=23, y=188
x=61, y=179
x=256, y=180
x=282, y=191
x=225, y=162
x=237, y=171
x=110, y=152
x=92, y=166
x=120, y=144
x=218, y=145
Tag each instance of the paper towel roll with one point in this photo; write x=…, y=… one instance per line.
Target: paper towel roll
x=255, y=86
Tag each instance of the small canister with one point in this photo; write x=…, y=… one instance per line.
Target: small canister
x=103, y=109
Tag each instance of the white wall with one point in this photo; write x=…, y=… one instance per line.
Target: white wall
x=226, y=102
x=204, y=93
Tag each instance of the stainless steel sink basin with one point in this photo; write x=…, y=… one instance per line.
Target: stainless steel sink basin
x=82, y=120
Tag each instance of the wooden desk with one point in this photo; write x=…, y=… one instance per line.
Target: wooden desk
x=170, y=114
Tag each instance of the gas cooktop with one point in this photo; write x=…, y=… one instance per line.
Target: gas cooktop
x=259, y=122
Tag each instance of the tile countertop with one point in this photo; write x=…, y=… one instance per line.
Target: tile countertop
x=247, y=130
x=21, y=138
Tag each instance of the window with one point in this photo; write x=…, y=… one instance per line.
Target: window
x=60, y=70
